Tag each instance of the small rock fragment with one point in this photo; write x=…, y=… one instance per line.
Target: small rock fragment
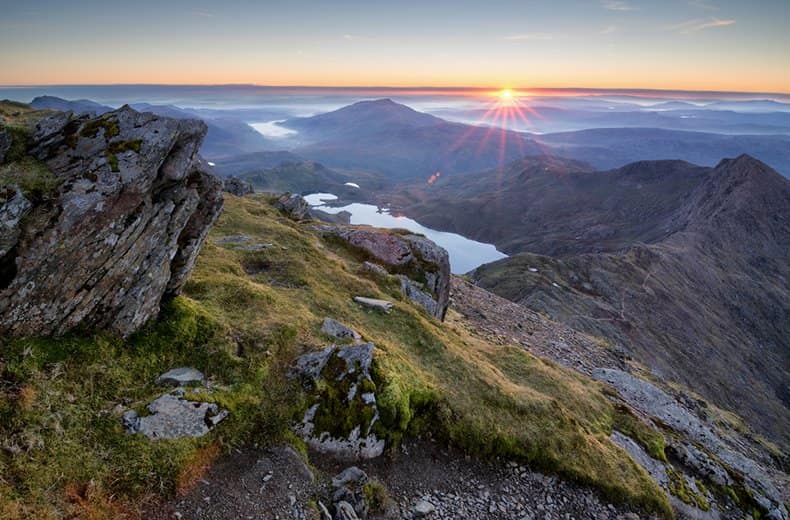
x=338, y=330
x=373, y=303
x=181, y=376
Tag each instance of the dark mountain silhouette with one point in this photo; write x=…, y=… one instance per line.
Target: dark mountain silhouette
x=78, y=106
x=557, y=206
x=706, y=304
x=613, y=147
x=402, y=143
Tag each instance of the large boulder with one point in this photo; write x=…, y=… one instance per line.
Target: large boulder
x=422, y=266
x=236, y=186
x=122, y=228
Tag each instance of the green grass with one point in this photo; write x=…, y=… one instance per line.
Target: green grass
x=243, y=318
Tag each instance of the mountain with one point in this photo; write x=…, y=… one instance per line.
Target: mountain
x=700, y=297
x=249, y=162
x=361, y=119
x=78, y=106
x=556, y=206
x=403, y=144
x=613, y=147
x=301, y=177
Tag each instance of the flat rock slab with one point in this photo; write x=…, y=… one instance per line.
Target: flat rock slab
x=181, y=376
x=173, y=417
x=338, y=330
x=373, y=303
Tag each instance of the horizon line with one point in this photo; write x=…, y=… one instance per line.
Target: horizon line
x=455, y=89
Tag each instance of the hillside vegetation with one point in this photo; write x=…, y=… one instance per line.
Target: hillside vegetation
x=244, y=317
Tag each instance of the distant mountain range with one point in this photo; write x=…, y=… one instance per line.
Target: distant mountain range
x=683, y=268
x=398, y=144
x=555, y=206
x=405, y=144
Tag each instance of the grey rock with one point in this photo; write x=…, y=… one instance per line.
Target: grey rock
x=423, y=508
x=373, y=303
x=654, y=402
x=654, y=468
x=181, y=376
x=411, y=255
x=236, y=186
x=374, y=268
x=120, y=234
x=294, y=206
x=13, y=207
x=173, y=417
x=345, y=511
x=351, y=475
x=255, y=247
x=414, y=292
x=338, y=330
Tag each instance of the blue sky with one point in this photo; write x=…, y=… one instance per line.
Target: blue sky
x=683, y=44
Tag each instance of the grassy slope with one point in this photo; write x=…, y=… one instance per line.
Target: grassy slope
x=59, y=399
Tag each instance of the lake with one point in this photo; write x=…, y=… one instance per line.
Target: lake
x=465, y=254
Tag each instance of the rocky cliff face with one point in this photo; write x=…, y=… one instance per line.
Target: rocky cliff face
x=125, y=208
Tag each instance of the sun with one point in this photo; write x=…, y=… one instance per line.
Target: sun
x=506, y=96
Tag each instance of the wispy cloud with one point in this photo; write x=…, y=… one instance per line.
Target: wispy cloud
x=525, y=37
x=617, y=5
x=691, y=26
x=202, y=12
x=611, y=29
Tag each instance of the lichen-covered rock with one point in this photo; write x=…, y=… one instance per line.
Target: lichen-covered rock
x=344, y=411
x=294, y=206
x=236, y=186
x=171, y=416
x=424, y=265
x=132, y=209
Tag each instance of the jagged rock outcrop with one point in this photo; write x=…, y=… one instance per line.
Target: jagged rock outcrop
x=293, y=205
x=131, y=207
x=422, y=266
x=236, y=186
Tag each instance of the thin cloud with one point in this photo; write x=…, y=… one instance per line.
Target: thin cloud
x=610, y=29
x=692, y=26
x=203, y=13
x=524, y=37
x=617, y=5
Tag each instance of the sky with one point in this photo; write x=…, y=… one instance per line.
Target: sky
x=721, y=45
